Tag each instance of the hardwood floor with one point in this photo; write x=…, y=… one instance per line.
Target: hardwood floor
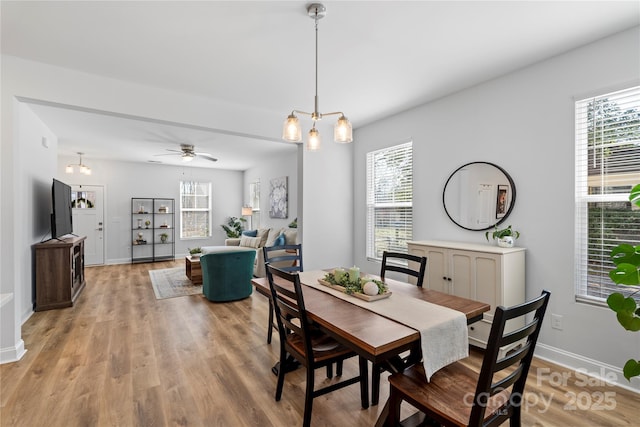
x=122, y=358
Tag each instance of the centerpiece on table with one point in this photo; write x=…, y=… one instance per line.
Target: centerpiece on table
x=353, y=283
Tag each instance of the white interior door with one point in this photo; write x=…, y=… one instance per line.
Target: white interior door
x=88, y=220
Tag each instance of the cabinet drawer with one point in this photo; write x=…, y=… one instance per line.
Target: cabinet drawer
x=479, y=333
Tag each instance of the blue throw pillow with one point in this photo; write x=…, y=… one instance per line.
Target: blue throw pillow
x=250, y=233
x=280, y=240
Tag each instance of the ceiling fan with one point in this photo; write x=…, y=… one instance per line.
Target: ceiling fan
x=188, y=153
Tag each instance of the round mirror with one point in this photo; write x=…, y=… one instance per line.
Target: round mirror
x=479, y=195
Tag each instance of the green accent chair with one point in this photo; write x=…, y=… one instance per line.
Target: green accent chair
x=226, y=275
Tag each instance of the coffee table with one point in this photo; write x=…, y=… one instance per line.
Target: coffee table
x=193, y=269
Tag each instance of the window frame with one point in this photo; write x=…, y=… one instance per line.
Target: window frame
x=592, y=249
x=372, y=204
x=184, y=209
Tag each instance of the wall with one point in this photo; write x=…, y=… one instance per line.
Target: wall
x=123, y=180
x=523, y=122
x=273, y=167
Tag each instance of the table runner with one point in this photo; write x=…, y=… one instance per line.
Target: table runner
x=443, y=331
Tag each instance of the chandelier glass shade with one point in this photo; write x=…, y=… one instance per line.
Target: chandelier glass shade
x=84, y=169
x=291, y=131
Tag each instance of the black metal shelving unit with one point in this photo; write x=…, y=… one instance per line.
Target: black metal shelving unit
x=152, y=229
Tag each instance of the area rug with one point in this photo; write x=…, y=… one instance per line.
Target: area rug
x=172, y=282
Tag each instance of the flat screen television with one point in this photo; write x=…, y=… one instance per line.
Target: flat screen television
x=62, y=215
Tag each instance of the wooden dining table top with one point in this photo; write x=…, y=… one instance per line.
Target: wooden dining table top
x=371, y=335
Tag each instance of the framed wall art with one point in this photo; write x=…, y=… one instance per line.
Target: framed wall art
x=278, y=197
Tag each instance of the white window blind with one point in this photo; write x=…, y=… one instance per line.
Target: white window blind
x=195, y=209
x=389, y=199
x=607, y=167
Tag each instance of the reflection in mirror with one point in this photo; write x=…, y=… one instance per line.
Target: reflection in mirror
x=479, y=195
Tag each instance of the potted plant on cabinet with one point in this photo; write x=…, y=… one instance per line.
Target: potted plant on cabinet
x=505, y=237
x=195, y=252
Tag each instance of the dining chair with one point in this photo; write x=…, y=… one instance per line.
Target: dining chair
x=403, y=258
x=306, y=343
x=378, y=368
x=458, y=396
x=287, y=258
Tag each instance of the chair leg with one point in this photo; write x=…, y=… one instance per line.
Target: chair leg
x=364, y=382
x=308, y=398
x=270, y=331
x=339, y=368
x=375, y=383
x=393, y=418
x=330, y=370
x=281, y=372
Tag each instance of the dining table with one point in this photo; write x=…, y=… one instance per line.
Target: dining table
x=378, y=338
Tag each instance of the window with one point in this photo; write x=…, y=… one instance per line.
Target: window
x=195, y=209
x=389, y=200
x=607, y=167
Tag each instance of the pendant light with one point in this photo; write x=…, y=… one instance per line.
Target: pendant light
x=291, y=131
x=84, y=169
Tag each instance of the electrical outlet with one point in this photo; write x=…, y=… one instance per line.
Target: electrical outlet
x=556, y=321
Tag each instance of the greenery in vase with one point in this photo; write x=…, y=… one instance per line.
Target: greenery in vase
x=234, y=226
x=194, y=251
x=627, y=272
x=500, y=233
x=351, y=287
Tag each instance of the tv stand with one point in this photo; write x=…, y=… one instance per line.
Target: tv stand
x=59, y=272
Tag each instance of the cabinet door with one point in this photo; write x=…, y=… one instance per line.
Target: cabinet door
x=437, y=269
x=461, y=273
x=487, y=281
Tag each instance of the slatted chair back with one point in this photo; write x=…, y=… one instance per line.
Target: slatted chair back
x=284, y=257
x=388, y=265
x=519, y=360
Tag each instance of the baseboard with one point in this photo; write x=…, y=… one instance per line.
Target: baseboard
x=12, y=354
x=598, y=371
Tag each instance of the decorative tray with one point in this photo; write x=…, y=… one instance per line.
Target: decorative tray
x=362, y=296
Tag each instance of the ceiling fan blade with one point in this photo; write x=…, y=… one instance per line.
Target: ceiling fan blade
x=207, y=156
x=168, y=154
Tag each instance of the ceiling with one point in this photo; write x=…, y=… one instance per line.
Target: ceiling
x=376, y=58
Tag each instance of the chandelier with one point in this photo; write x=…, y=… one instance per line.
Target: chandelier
x=291, y=131
x=84, y=169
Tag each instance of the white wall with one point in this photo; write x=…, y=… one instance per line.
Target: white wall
x=273, y=167
x=523, y=122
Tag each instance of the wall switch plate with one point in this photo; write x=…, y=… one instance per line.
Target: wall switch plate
x=556, y=321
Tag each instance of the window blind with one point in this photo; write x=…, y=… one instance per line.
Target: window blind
x=195, y=209
x=389, y=200
x=607, y=167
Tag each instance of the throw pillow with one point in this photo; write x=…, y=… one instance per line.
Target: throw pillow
x=291, y=236
x=280, y=240
x=250, y=233
x=250, y=242
x=273, y=235
x=263, y=233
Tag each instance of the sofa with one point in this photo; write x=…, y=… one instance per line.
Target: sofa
x=226, y=274
x=257, y=239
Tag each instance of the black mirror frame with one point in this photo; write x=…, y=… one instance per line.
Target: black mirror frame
x=506, y=215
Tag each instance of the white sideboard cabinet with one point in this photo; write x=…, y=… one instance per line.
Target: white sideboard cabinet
x=484, y=273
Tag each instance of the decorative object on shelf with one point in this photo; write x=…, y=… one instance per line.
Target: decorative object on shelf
x=505, y=238
x=147, y=223
x=139, y=222
x=627, y=272
x=84, y=169
x=163, y=209
x=343, y=132
x=234, y=227
x=343, y=283
x=141, y=209
x=164, y=237
x=279, y=197
x=164, y=225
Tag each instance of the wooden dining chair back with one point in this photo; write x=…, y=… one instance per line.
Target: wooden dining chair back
x=457, y=396
x=388, y=264
x=306, y=343
x=286, y=258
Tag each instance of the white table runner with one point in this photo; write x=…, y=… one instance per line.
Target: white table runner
x=443, y=331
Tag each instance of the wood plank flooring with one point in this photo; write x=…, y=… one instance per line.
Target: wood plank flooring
x=122, y=358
